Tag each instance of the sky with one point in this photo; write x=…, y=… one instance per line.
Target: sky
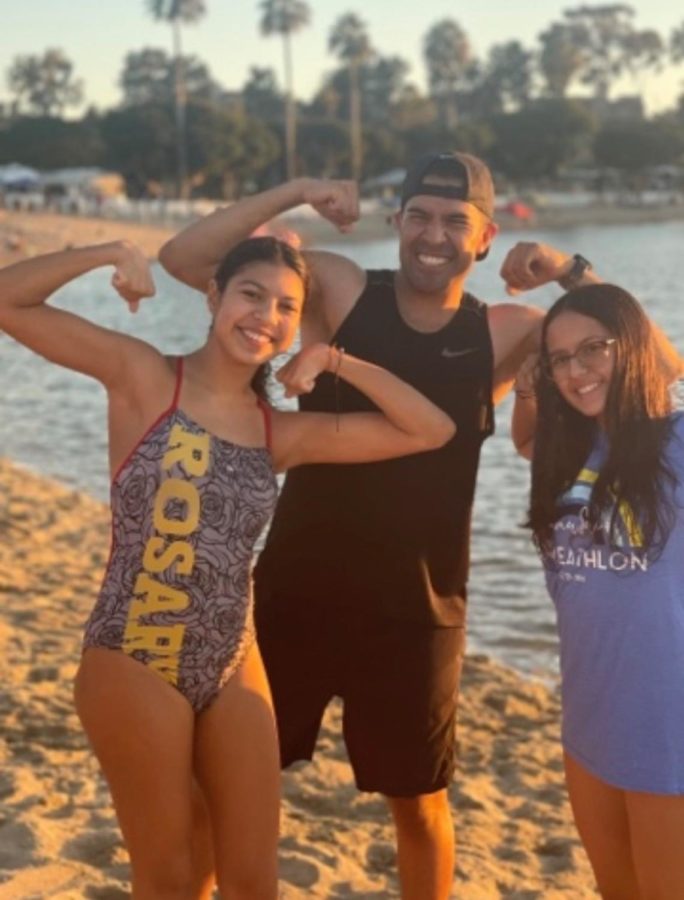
x=96, y=36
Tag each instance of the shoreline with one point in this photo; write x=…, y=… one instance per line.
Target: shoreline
x=58, y=832
x=26, y=234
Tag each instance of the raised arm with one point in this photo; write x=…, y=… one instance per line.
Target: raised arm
x=193, y=255
x=63, y=337
x=516, y=329
x=524, y=418
x=407, y=422
x=529, y=265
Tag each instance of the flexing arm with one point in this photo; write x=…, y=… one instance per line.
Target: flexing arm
x=530, y=265
x=516, y=329
x=407, y=422
x=193, y=255
x=63, y=337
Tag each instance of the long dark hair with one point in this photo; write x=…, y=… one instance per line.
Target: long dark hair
x=635, y=422
x=261, y=249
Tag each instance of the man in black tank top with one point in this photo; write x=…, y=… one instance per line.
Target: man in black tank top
x=361, y=589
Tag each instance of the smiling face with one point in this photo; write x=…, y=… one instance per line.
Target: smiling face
x=258, y=314
x=439, y=240
x=580, y=354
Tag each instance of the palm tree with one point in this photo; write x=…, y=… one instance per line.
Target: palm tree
x=284, y=17
x=561, y=57
x=174, y=12
x=448, y=55
x=349, y=40
x=677, y=44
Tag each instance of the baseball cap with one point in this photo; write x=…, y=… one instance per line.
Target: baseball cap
x=471, y=180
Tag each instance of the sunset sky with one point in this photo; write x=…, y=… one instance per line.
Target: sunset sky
x=97, y=36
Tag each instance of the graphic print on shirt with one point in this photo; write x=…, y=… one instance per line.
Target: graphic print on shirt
x=581, y=546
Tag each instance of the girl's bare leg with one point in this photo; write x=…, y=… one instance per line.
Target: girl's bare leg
x=237, y=766
x=204, y=872
x=602, y=820
x=141, y=730
x=657, y=827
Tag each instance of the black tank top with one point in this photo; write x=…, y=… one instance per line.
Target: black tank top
x=390, y=538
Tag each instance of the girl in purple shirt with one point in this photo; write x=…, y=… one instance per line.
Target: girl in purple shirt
x=595, y=416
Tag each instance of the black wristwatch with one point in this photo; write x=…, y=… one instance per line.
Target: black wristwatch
x=573, y=278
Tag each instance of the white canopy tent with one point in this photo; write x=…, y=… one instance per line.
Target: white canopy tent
x=18, y=177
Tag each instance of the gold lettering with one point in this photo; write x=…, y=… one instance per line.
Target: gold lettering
x=186, y=492
x=167, y=667
x=162, y=640
x=191, y=450
x=151, y=596
x=158, y=556
x=157, y=597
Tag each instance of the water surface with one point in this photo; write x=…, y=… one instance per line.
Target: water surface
x=54, y=420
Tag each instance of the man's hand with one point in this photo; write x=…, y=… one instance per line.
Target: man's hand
x=336, y=201
x=132, y=278
x=529, y=265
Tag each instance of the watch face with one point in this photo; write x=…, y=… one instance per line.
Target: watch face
x=579, y=266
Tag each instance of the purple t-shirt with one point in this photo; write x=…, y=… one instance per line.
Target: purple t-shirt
x=621, y=628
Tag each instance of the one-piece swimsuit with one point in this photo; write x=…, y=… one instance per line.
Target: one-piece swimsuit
x=187, y=510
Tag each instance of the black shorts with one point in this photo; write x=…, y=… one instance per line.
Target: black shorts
x=398, y=681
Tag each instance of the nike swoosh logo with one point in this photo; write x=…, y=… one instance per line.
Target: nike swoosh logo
x=450, y=354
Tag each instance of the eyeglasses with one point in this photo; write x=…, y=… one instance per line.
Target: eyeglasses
x=590, y=355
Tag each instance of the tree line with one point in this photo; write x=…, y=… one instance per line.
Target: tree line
x=177, y=130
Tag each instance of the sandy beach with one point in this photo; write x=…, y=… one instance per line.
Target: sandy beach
x=58, y=832
x=25, y=234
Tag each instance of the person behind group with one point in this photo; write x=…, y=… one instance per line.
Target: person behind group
x=596, y=418
x=171, y=689
x=361, y=589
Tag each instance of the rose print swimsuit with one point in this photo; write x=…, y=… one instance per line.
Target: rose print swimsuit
x=187, y=509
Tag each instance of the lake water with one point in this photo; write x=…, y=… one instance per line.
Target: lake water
x=54, y=420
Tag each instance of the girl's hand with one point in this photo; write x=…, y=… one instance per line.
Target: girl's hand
x=299, y=374
x=132, y=278
x=528, y=265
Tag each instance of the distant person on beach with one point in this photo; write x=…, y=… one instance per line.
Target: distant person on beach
x=171, y=689
x=596, y=418
x=361, y=589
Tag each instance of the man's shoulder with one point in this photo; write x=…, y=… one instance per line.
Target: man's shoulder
x=337, y=283
x=333, y=275
x=326, y=265
x=514, y=316
x=515, y=331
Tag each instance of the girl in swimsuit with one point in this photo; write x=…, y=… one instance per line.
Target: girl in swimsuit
x=171, y=690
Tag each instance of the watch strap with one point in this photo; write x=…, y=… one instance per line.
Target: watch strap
x=574, y=276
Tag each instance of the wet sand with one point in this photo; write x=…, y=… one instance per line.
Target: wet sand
x=58, y=833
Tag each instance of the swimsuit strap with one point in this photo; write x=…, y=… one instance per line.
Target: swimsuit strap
x=266, y=412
